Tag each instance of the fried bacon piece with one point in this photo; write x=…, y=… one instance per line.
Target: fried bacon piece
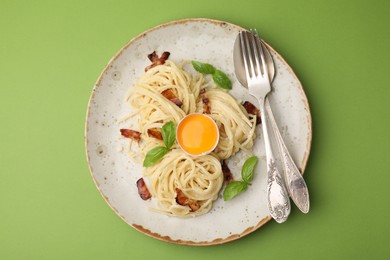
x=253, y=110
x=153, y=132
x=157, y=60
x=227, y=174
x=168, y=94
x=143, y=190
x=206, y=101
x=135, y=135
x=181, y=199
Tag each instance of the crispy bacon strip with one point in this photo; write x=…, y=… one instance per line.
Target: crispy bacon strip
x=153, y=132
x=157, y=60
x=181, y=199
x=227, y=174
x=206, y=101
x=143, y=190
x=168, y=94
x=135, y=135
x=253, y=110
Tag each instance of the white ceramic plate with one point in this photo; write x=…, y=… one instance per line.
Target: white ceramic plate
x=115, y=174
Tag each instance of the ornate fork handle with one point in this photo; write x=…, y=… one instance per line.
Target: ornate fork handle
x=278, y=200
x=296, y=185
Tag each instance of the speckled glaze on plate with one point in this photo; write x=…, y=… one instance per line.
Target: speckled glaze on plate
x=115, y=174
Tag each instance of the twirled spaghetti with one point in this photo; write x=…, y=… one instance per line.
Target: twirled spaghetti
x=198, y=179
x=236, y=127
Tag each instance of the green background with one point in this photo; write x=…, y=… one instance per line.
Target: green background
x=51, y=53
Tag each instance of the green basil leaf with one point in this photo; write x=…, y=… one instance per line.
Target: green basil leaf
x=155, y=155
x=248, y=169
x=233, y=189
x=169, y=134
x=203, y=68
x=222, y=80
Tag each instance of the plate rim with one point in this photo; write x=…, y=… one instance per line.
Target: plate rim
x=140, y=228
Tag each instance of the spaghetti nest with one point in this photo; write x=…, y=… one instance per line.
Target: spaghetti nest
x=168, y=93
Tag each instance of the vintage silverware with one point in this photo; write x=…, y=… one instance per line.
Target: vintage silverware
x=259, y=86
x=294, y=181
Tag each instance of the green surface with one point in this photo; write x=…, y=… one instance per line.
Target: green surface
x=51, y=53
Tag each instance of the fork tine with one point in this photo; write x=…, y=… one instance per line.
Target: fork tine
x=244, y=52
x=253, y=54
x=249, y=52
x=255, y=48
x=262, y=57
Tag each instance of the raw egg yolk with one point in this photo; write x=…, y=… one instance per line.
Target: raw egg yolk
x=197, y=134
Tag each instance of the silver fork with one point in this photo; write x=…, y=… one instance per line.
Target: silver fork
x=259, y=86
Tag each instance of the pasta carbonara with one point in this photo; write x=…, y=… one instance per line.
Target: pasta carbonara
x=184, y=185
